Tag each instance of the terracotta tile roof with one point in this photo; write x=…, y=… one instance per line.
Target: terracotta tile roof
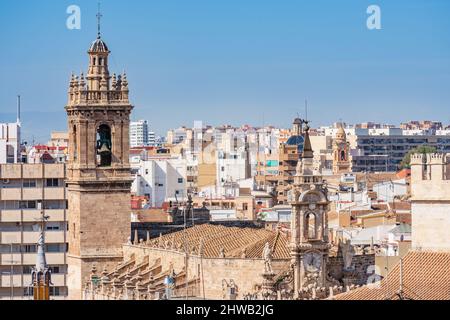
x=425, y=276
x=232, y=239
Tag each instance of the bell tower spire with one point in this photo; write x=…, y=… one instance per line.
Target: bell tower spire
x=98, y=170
x=309, y=245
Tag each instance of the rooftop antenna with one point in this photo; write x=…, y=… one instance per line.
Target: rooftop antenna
x=99, y=17
x=18, y=109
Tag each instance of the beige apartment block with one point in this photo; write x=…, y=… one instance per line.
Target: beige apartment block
x=27, y=190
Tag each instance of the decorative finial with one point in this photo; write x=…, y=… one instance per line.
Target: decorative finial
x=99, y=17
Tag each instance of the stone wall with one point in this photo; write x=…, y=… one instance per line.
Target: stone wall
x=431, y=226
x=245, y=273
x=361, y=264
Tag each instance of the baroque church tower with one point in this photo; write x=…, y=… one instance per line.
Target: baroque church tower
x=309, y=223
x=99, y=178
x=341, y=152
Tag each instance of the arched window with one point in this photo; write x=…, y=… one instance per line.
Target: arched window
x=75, y=145
x=100, y=62
x=310, y=226
x=343, y=155
x=94, y=61
x=104, y=146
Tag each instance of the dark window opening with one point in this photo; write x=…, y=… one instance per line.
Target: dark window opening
x=104, y=146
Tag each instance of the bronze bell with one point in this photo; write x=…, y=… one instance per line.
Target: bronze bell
x=104, y=149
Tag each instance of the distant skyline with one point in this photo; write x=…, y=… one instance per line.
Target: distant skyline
x=233, y=62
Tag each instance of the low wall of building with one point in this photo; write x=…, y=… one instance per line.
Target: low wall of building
x=214, y=274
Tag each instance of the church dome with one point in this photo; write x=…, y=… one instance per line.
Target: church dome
x=98, y=46
x=296, y=140
x=298, y=121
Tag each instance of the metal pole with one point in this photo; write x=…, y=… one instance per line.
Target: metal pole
x=186, y=257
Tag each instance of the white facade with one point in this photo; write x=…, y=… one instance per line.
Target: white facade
x=151, y=140
x=9, y=143
x=388, y=190
x=231, y=167
x=347, y=201
x=161, y=180
x=139, y=134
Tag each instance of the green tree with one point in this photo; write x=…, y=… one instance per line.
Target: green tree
x=424, y=149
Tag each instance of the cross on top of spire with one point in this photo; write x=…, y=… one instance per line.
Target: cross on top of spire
x=99, y=17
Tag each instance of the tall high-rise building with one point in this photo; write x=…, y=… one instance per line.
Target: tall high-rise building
x=139, y=134
x=99, y=178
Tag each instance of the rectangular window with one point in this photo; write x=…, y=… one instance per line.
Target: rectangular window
x=53, y=248
x=54, y=270
x=54, y=291
x=244, y=206
x=27, y=205
x=27, y=269
x=29, y=183
x=180, y=180
x=31, y=248
x=51, y=183
x=52, y=228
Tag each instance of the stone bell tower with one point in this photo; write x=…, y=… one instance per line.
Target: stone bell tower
x=341, y=152
x=309, y=223
x=99, y=178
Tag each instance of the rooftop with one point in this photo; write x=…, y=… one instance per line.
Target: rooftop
x=424, y=277
x=233, y=240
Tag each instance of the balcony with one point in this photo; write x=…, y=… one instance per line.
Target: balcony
x=53, y=258
x=10, y=171
x=11, y=194
x=10, y=215
x=50, y=237
x=30, y=215
x=54, y=171
x=54, y=193
x=32, y=194
x=10, y=237
x=16, y=258
x=32, y=171
x=6, y=280
x=55, y=215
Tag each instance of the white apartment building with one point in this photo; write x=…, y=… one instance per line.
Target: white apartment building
x=27, y=190
x=231, y=167
x=161, y=179
x=139, y=133
x=151, y=140
x=9, y=142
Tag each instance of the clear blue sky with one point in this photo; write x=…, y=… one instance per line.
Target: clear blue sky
x=234, y=61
